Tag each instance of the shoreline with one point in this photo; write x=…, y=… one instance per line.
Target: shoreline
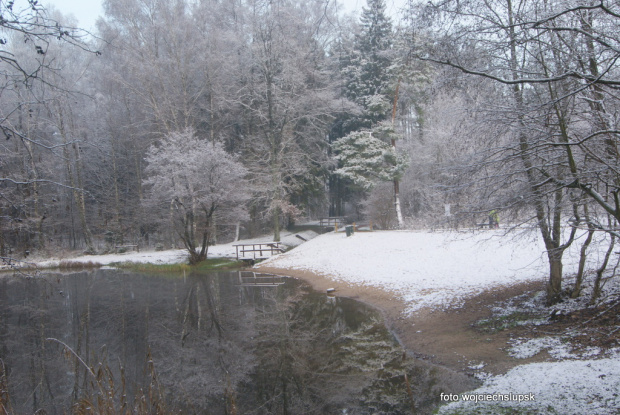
x=443, y=337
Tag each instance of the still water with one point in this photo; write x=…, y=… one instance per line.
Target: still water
x=209, y=343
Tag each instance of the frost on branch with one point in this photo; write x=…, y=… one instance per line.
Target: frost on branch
x=367, y=158
x=198, y=182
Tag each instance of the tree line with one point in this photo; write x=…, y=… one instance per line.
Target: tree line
x=184, y=122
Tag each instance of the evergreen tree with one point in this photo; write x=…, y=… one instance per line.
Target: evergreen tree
x=365, y=65
x=367, y=69
x=366, y=158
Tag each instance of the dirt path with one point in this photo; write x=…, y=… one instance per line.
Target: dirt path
x=444, y=337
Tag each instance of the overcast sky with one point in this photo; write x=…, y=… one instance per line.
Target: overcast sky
x=87, y=11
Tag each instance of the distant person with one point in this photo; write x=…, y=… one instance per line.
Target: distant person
x=493, y=219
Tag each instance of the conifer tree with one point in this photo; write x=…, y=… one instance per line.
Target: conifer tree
x=368, y=156
x=368, y=66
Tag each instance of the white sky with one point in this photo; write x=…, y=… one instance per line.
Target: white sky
x=393, y=6
x=87, y=11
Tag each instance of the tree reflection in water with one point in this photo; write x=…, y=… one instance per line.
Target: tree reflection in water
x=226, y=342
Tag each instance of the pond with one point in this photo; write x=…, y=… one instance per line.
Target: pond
x=219, y=343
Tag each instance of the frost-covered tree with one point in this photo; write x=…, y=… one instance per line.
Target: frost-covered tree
x=197, y=181
x=366, y=158
x=288, y=101
x=30, y=180
x=556, y=65
x=367, y=68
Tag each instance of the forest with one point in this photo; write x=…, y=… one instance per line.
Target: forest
x=187, y=122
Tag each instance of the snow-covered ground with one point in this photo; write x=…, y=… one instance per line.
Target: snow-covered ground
x=567, y=387
x=172, y=256
x=425, y=269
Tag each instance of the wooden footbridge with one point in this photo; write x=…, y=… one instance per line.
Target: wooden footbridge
x=332, y=221
x=258, y=250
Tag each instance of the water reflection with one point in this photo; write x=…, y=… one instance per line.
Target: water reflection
x=218, y=342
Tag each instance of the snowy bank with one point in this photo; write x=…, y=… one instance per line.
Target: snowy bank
x=568, y=387
x=171, y=256
x=425, y=269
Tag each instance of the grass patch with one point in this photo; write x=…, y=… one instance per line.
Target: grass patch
x=76, y=265
x=499, y=323
x=208, y=265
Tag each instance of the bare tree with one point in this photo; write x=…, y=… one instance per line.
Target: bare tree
x=29, y=63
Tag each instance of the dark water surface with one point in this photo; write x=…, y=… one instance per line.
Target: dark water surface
x=210, y=343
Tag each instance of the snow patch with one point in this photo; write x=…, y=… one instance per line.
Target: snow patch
x=569, y=387
x=557, y=347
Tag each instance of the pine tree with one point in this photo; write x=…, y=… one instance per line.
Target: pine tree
x=366, y=157
x=367, y=67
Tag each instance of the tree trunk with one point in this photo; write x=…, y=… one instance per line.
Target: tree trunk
x=117, y=198
x=171, y=227
x=554, y=285
x=549, y=221
x=75, y=179
x=583, y=253
x=188, y=234
x=276, y=224
x=33, y=177
x=213, y=236
x=237, y=229
x=582, y=263
x=596, y=290
x=88, y=239
x=399, y=213
x=206, y=235
x=35, y=195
